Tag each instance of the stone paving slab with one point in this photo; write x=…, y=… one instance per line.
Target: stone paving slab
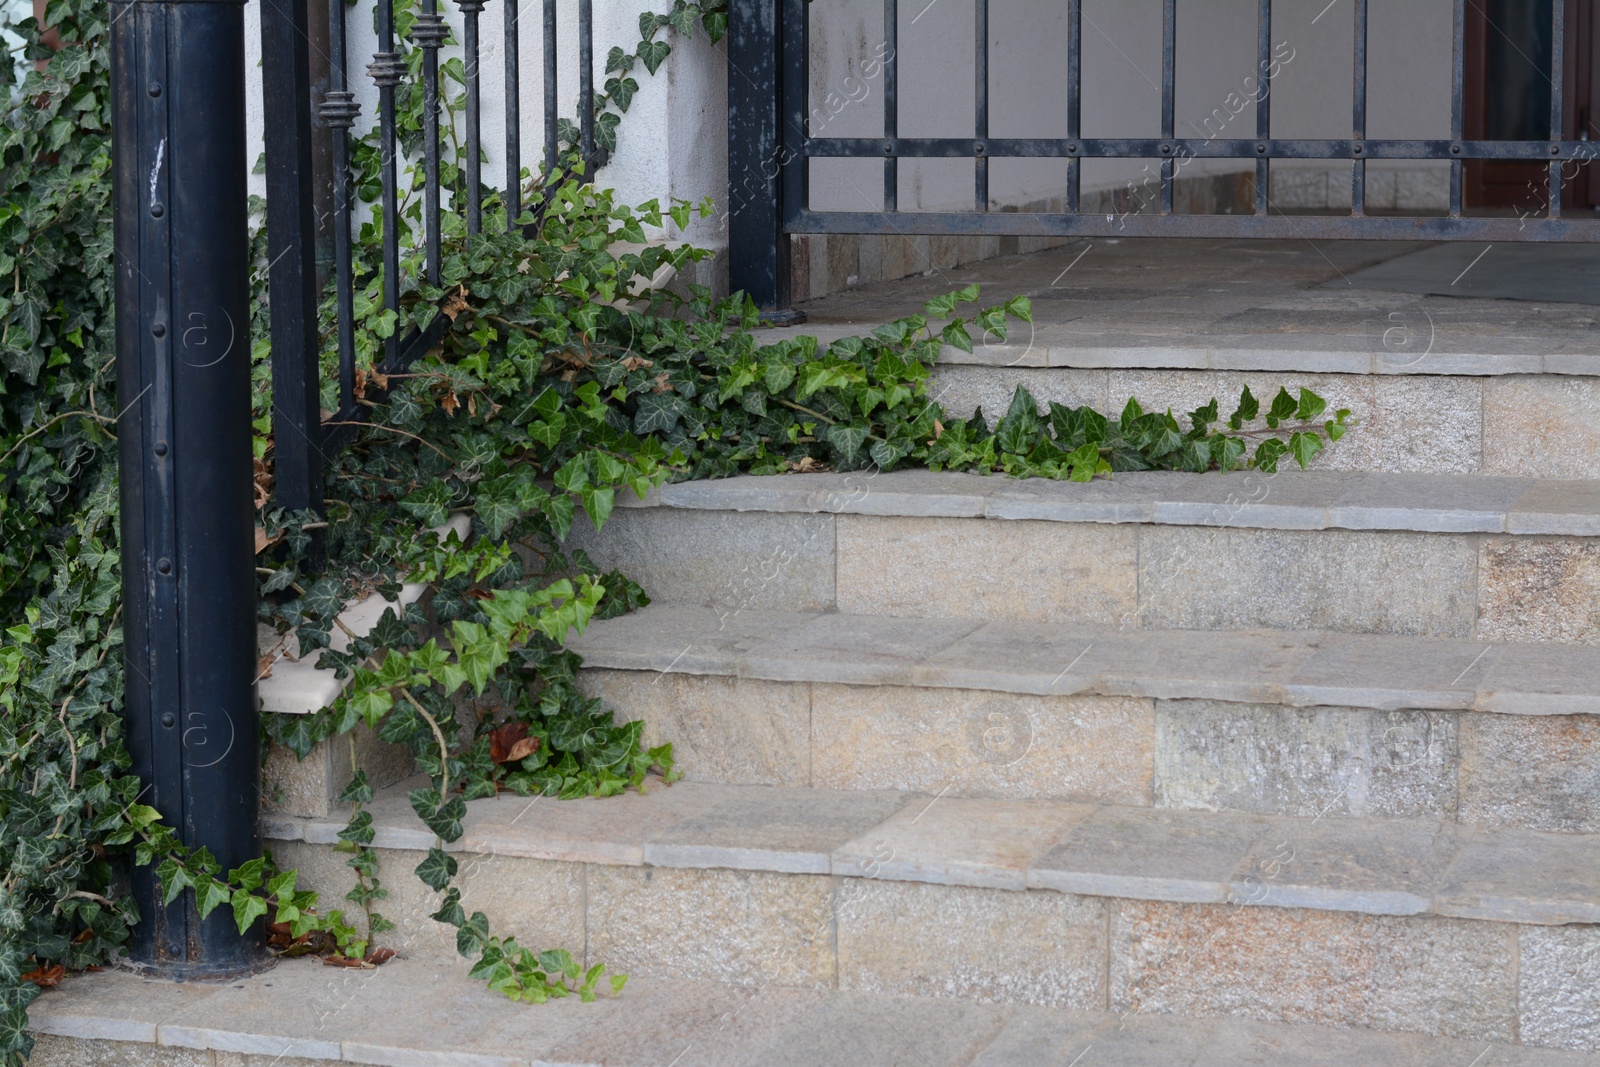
x=1288, y=500
x=412, y=1013
x=1291, y=668
x=1164, y=304
x=1375, y=866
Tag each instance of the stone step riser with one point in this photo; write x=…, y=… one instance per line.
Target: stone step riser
x=1118, y=575
x=1442, y=420
x=1463, y=978
x=1481, y=769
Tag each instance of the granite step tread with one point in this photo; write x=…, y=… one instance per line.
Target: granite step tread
x=412, y=1013
x=1373, y=866
x=1290, y=668
x=1288, y=500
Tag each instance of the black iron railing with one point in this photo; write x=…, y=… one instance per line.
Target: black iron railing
x=768, y=150
x=1172, y=150
x=302, y=438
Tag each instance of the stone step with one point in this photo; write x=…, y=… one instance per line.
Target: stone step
x=412, y=1013
x=1424, y=555
x=1268, y=722
x=1459, y=384
x=1414, y=926
x=1520, y=418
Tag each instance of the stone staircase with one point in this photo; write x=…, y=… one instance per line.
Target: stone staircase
x=1168, y=769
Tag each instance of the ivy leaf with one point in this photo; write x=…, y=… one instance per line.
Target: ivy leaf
x=430, y=504
x=847, y=441
x=209, y=895
x=1311, y=405
x=444, y=818
x=1304, y=447
x=657, y=414
x=1283, y=407
x=1247, y=410
x=247, y=909
x=653, y=53
x=436, y=869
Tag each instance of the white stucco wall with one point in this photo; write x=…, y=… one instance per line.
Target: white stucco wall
x=672, y=142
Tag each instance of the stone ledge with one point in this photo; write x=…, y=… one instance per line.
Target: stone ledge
x=1289, y=668
x=1368, y=866
x=1059, y=346
x=302, y=686
x=1289, y=500
x=413, y=1014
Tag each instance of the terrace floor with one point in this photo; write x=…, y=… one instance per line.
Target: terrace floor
x=1329, y=306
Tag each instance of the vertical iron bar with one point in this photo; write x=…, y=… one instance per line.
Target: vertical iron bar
x=183, y=388
x=891, y=106
x=1074, y=98
x=1358, y=119
x=1458, y=62
x=1558, y=113
x=386, y=70
x=429, y=32
x=339, y=111
x=758, y=249
x=291, y=251
x=1263, y=102
x=1169, y=76
x=552, y=106
x=513, y=95
x=981, y=103
x=474, y=171
x=586, y=82
x=794, y=43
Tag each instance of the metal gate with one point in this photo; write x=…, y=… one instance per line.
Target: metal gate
x=771, y=144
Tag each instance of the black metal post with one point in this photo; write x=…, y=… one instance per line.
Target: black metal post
x=474, y=171
x=338, y=112
x=183, y=384
x=758, y=249
x=386, y=70
x=291, y=251
x=430, y=32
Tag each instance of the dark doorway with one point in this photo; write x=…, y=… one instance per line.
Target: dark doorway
x=1508, y=83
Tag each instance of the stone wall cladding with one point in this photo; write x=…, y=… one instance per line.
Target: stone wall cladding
x=1218, y=579
x=1537, y=773
x=721, y=729
x=743, y=927
x=1033, y=571
x=1445, y=977
x=975, y=944
x=1559, y=987
x=1339, y=762
x=309, y=788
x=982, y=743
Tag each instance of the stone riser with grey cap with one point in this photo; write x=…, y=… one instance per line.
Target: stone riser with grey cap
x=1496, y=416
x=1270, y=722
x=413, y=1014
x=1416, y=926
x=1490, y=558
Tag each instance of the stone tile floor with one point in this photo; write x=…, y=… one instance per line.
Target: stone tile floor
x=1248, y=305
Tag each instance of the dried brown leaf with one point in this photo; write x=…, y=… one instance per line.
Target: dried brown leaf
x=46, y=975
